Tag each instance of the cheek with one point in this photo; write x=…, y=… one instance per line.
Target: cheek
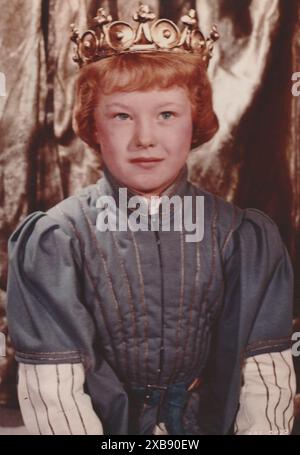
x=104, y=136
x=183, y=132
x=188, y=128
x=101, y=129
x=111, y=133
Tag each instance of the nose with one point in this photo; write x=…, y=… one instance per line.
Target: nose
x=144, y=134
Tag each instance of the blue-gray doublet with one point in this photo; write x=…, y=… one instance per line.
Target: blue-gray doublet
x=148, y=307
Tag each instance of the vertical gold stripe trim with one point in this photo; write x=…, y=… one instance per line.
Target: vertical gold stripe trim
x=90, y=275
x=59, y=398
x=74, y=399
x=198, y=344
x=142, y=291
x=291, y=395
x=180, y=308
x=109, y=278
x=267, y=392
x=42, y=399
x=30, y=400
x=192, y=305
x=132, y=312
x=280, y=393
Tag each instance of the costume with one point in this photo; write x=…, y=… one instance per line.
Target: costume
x=140, y=308
x=142, y=331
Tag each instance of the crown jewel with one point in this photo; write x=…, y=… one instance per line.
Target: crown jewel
x=116, y=37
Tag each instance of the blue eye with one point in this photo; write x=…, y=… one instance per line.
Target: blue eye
x=122, y=116
x=167, y=115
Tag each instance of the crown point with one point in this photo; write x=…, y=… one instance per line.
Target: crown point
x=190, y=19
x=214, y=34
x=102, y=17
x=192, y=13
x=75, y=36
x=144, y=14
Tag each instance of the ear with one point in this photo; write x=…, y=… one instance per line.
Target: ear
x=194, y=134
x=95, y=134
x=96, y=142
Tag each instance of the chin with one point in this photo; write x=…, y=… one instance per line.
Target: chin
x=139, y=185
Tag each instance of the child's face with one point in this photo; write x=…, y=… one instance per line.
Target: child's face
x=133, y=127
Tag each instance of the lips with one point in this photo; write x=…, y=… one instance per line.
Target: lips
x=145, y=160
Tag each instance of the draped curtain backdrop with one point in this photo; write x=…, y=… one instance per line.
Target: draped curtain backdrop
x=254, y=160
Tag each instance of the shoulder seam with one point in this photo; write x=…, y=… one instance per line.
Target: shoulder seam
x=260, y=212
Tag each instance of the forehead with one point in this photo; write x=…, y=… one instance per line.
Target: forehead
x=175, y=96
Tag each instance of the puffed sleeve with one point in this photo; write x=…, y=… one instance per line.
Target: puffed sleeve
x=47, y=320
x=259, y=278
x=255, y=317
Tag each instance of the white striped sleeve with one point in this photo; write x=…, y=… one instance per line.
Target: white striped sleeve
x=53, y=401
x=267, y=395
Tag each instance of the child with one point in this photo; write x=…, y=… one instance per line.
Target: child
x=139, y=331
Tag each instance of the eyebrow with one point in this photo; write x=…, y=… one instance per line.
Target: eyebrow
x=124, y=106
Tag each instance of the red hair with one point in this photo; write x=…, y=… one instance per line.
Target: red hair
x=145, y=71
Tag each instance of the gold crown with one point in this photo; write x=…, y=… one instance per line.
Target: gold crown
x=112, y=38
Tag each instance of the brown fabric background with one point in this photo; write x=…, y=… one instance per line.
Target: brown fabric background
x=254, y=160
